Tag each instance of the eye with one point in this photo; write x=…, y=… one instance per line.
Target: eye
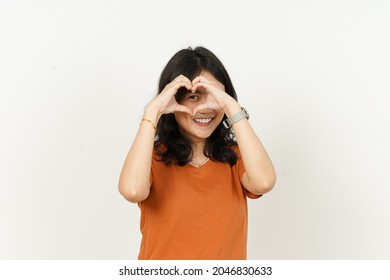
x=193, y=97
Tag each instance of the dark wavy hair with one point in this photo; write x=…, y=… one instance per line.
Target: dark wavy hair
x=170, y=145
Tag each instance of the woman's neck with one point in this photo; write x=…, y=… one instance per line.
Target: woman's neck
x=198, y=156
x=197, y=149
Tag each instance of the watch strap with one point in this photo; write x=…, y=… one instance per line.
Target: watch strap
x=235, y=118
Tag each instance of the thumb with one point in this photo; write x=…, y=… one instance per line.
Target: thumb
x=200, y=108
x=185, y=109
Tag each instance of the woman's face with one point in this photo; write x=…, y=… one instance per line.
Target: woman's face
x=199, y=127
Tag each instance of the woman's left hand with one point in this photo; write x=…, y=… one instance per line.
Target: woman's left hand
x=215, y=96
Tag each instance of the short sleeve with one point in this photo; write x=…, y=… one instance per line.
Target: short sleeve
x=251, y=195
x=241, y=170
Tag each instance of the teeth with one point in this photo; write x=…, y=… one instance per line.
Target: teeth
x=203, y=120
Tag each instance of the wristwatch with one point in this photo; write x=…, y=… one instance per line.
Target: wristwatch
x=235, y=118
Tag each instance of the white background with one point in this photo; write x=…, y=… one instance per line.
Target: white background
x=75, y=77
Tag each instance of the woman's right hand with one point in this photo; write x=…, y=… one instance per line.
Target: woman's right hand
x=165, y=102
x=134, y=181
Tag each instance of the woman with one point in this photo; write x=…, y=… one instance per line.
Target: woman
x=189, y=172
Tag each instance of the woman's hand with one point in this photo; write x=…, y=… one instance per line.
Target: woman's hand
x=166, y=102
x=215, y=96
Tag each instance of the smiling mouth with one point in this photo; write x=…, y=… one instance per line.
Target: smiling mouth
x=203, y=121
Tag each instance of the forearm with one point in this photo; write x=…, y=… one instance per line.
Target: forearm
x=259, y=170
x=134, y=181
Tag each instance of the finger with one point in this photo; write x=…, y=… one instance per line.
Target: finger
x=182, y=108
x=181, y=78
x=199, y=79
x=179, y=84
x=184, y=78
x=215, y=83
x=202, y=107
x=204, y=85
x=171, y=90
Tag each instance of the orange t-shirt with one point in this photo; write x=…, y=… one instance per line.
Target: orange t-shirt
x=195, y=213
